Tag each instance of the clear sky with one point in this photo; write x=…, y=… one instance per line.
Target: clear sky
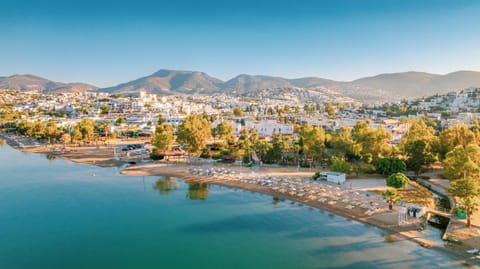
x=109, y=42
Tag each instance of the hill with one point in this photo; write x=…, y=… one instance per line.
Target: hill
x=169, y=82
x=379, y=88
x=395, y=86
x=246, y=83
x=25, y=83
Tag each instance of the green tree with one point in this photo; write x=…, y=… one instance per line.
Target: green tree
x=338, y=164
x=194, y=133
x=104, y=109
x=120, y=121
x=237, y=112
x=225, y=131
x=312, y=142
x=261, y=148
x=468, y=190
x=253, y=136
x=39, y=129
x=418, y=130
x=76, y=136
x=164, y=138
x=84, y=110
x=370, y=143
x=391, y=196
x=161, y=120
x=274, y=153
x=51, y=131
x=341, y=142
x=419, y=156
x=330, y=109
x=462, y=162
x=388, y=166
x=86, y=128
x=66, y=138
x=397, y=180
x=458, y=135
x=245, y=144
x=243, y=140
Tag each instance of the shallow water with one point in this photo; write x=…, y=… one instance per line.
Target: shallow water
x=57, y=214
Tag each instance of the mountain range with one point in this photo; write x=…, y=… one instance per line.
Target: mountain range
x=383, y=87
x=25, y=83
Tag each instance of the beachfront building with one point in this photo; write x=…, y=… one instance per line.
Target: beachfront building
x=334, y=177
x=266, y=128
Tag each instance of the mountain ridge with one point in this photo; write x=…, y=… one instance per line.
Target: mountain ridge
x=27, y=82
x=381, y=87
x=168, y=82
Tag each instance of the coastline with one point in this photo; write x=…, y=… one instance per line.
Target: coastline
x=382, y=219
x=379, y=220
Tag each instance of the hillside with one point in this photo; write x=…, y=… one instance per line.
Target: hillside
x=26, y=83
x=312, y=82
x=169, y=82
x=246, y=83
x=395, y=86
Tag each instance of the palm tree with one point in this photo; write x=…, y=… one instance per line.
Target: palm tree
x=391, y=196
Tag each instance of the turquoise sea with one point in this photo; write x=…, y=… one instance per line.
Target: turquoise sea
x=58, y=214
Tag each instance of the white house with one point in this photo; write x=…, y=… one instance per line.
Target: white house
x=268, y=127
x=334, y=177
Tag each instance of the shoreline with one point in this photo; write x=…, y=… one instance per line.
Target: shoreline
x=406, y=232
x=398, y=232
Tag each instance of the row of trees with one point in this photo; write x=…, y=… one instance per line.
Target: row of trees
x=457, y=146
x=82, y=132
x=196, y=131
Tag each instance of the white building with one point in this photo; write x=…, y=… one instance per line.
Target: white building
x=334, y=177
x=266, y=128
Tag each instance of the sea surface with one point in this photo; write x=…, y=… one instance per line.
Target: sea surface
x=58, y=214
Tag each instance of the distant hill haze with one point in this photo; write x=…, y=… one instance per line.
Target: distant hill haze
x=246, y=83
x=168, y=82
x=409, y=84
x=383, y=87
x=25, y=83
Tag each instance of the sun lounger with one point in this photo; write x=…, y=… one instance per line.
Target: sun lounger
x=472, y=251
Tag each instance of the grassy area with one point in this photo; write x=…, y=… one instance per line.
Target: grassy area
x=416, y=194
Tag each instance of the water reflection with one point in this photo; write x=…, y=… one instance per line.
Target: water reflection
x=197, y=191
x=50, y=157
x=166, y=185
x=2, y=141
x=276, y=200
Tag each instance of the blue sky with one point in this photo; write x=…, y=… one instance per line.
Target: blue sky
x=115, y=41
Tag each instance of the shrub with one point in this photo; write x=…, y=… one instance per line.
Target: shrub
x=340, y=165
x=206, y=154
x=397, y=180
x=388, y=166
x=363, y=168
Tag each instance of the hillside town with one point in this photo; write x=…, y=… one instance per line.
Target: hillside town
x=138, y=115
